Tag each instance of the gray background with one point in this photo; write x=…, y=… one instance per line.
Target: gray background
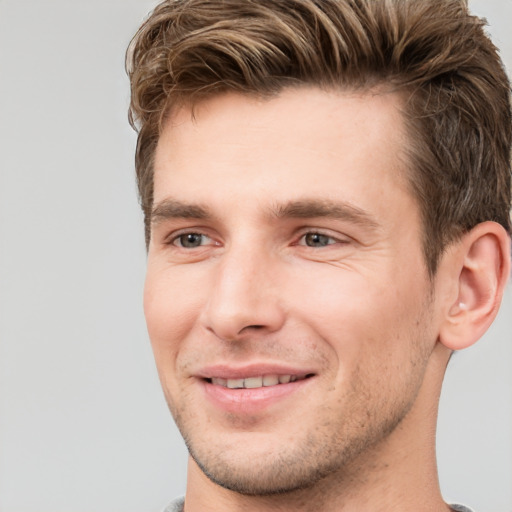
x=83, y=425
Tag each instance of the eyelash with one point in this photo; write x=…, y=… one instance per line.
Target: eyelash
x=178, y=239
x=329, y=239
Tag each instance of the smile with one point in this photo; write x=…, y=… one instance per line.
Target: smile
x=256, y=382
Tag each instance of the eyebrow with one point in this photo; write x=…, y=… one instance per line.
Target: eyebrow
x=301, y=209
x=311, y=208
x=174, y=209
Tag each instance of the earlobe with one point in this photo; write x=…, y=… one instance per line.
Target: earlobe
x=482, y=266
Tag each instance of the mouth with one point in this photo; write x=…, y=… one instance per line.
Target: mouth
x=261, y=381
x=254, y=389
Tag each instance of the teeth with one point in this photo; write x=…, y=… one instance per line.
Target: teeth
x=270, y=380
x=255, y=382
x=235, y=383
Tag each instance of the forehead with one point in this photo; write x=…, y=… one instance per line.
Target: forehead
x=303, y=141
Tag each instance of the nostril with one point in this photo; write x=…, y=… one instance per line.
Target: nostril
x=251, y=328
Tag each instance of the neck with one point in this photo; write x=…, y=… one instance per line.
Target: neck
x=397, y=474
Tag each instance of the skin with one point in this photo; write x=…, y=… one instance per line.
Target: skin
x=284, y=236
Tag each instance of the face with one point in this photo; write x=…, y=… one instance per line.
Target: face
x=287, y=299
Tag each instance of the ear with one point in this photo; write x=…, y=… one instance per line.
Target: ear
x=481, y=267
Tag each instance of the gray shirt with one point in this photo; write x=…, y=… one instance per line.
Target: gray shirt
x=177, y=506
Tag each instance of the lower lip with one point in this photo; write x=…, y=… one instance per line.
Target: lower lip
x=250, y=401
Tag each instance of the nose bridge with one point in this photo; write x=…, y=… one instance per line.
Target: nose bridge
x=243, y=293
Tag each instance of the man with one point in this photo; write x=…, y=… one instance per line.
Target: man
x=326, y=190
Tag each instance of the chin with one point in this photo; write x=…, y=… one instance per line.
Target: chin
x=275, y=476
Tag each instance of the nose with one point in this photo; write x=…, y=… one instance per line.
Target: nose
x=243, y=296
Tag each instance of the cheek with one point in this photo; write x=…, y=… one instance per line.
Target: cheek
x=170, y=310
x=171, y=314
x=363, y=318
x=339, y=300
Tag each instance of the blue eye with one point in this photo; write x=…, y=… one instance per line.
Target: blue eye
x=317, y=240
x=190, y=240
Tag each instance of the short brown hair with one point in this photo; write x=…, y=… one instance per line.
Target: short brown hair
x=434, y=52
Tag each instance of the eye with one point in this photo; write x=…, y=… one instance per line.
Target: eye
x=317, y=240
x=191, y=240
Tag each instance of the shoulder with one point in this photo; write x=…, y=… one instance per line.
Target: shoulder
x=175, y=505
x=460, y=508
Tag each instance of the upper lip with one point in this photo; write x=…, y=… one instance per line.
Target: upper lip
x=225, y=371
